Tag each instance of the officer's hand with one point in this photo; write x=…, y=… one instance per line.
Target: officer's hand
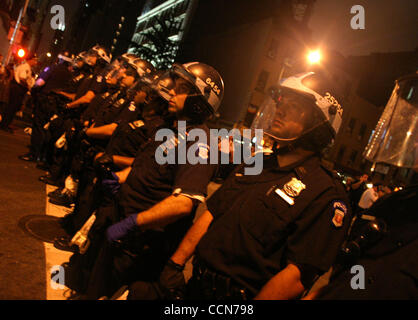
x=111, y=183
x=121, y=229
x=82, y=134
x=97, y=156
x=104, y=163
x=171, y=282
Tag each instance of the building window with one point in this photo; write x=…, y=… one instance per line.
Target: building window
x=262, y=81
x=340, y=154
x=351, y=125
x=362, y=132
x=353, y=157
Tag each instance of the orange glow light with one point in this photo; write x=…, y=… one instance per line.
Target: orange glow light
x=21, y=53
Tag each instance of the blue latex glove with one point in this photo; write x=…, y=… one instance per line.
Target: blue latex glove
x=111, y=184
x=121, y=229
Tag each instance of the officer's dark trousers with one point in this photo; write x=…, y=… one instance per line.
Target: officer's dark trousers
x=105, y=267
x=122, y=265
x=80, y=267
x=17, y=93
x=89, y=197
x=60, y=166
x=41, y=114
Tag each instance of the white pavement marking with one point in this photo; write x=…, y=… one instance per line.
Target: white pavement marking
x=53, y=256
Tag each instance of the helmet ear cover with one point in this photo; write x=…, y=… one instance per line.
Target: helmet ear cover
x=196, y=109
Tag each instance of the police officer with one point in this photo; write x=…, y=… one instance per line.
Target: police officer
x=86, y=85
x=106, y=111
x=383, y=243
x=156, y=202
x=54, y=77
x=268, y=236
x=133, y=129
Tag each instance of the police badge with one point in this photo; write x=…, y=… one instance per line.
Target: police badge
x=132, y=106
x=291, y=190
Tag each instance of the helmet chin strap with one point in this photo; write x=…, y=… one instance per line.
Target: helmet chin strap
x=290, y=140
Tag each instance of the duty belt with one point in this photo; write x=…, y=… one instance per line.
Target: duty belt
x=223, y=287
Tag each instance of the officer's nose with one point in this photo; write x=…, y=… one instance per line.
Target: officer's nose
x=280, y=112
x=171, y=92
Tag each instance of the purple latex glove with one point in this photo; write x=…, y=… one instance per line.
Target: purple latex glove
x=111, y=184
x=121, y=229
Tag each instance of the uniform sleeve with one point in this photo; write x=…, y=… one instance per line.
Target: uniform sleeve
x=128, y=114
x=318, y=234
x=221, y=198
x=192, y=179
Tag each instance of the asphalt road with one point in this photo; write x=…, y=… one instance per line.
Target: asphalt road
x=22, y=257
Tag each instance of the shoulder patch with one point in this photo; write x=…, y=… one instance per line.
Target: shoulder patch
x=339, y=210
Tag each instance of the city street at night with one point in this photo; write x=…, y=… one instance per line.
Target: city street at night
x=183, y=154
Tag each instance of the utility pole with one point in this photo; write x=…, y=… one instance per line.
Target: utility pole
x=22, y=14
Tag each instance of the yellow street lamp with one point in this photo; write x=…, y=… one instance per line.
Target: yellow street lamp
x=314, y=57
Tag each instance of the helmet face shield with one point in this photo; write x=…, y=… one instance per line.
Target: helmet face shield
x=136, y=64
x=287, y=116
x=395, y=138
x=323, y=91
x=163, y=84
x=114, y=72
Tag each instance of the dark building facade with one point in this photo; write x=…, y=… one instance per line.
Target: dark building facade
x=249, y=43
x=110, y=23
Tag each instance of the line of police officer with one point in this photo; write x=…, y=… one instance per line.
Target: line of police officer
x=268, y=236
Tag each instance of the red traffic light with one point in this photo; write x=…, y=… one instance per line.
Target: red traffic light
x=21, y=53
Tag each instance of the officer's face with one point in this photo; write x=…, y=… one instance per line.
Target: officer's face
x=178, y=95
x=128, y=81
x=140, y=97
x=91, y=60
x=290, y=119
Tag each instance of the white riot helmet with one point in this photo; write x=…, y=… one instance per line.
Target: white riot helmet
x=312, y=96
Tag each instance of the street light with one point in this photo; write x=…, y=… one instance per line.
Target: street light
x=21, y=53
x=314, y=57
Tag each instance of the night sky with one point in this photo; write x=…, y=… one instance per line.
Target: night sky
x=390, y=26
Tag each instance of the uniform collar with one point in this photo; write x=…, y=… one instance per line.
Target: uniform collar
x=270, y=162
